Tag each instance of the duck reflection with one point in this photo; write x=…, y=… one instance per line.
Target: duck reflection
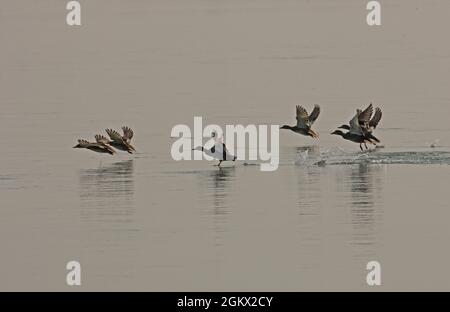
x=215, y=186
x=364, y=184
x=106, y=185
x=220, y=180
x=308, y=179
x=309, y=192
x=107, y=210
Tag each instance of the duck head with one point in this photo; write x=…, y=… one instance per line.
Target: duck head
x=338, y=132
x=346, y=127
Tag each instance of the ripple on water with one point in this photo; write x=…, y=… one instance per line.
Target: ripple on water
x=336, y=156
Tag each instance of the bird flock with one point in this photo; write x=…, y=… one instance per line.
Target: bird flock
x=109, y=146
x=360, y=130
x=361, y=127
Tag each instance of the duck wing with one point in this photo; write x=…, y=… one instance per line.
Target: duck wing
x=84, y=143
x=127, y=134
x=314, y=114
x=355, y=126
x=217, y=148
x=365, y=115
x=302, y=118
x=115, y=136
x=376, y=118
x=101, y=139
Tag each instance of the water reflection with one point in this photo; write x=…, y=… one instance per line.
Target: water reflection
x=107, y=213
x=215, y=185
x=8, y=182
x=110, y=186
x=364, y=184
x=313, y=150
x=309, y=192
x=219, y=181
x=356, y=208
x=308, y=177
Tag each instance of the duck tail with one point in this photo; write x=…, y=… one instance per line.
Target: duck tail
x=371, y=137
x=313, y=134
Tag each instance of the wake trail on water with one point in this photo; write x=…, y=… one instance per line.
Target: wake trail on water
x=337, y=156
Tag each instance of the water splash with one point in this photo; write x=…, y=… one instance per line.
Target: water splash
x=389, y=157
x=305, y=158
x=435, y=143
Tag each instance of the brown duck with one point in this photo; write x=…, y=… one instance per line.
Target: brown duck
x=100, y=146
x=305, y=121
x=121, y=142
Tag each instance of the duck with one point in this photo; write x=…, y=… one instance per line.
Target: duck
x=121, y=142
x=367, y=122
x=100, y=146
x=305, y=121
x=218, y=151
x=356, y=133
x=354, y=137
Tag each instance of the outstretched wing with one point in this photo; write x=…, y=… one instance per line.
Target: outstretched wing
x=101, y=139
x=314, y=114
x=376, y=118
x=84, y=143
x=364, y=117
x=114, y=135
x=127, y=134
x=355, y=127
x=302, y=118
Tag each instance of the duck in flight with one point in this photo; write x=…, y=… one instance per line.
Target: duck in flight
x=218, y=151
x=361, y=126
x=121, y=142
x=368, y=121
x=305, y=121
x=100, y=146
x=354, y=137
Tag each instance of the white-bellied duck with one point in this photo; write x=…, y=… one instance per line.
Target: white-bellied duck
x=367, y=122
x=357, y=129
x=218, y=151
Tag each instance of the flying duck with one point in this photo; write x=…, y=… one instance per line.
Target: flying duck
x=357, y=138
x=367, y=123
x=356, y=133
x=121, y=142
x=100, y=146
x=305, y=121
